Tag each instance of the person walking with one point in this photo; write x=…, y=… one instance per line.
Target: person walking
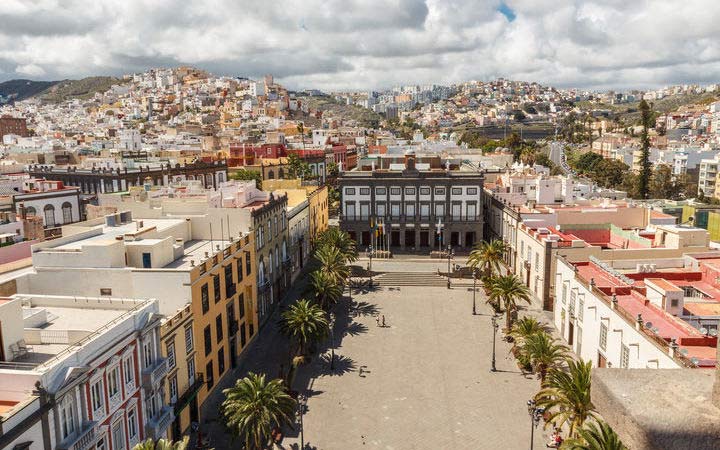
x=377, y=319
x=383, y=320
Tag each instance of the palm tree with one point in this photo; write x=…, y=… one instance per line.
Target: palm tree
x=304, y=322
x=488, y=256
x=254, y=406
x=544, y=353
x=507, y=291
x=341, y=240
x=327, y=290
x=566, y=396
x=595, y=436
x=162, y=444
x=525, y=327
x=301, y=130
x=333, y=263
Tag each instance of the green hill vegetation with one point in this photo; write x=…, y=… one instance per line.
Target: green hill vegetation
x=78, y=89
x=364, y=117
x=18, y=90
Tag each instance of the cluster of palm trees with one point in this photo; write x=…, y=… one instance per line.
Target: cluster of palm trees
x=565, y=383
x=257, y=405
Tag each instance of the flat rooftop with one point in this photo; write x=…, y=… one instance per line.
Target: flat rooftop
x=111, y=233
x=195, y=251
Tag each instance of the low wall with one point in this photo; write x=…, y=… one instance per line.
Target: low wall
x=16, y=252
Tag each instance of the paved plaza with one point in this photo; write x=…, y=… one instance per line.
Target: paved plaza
x=421, y=382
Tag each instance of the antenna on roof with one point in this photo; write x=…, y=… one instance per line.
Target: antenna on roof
x=648, y=325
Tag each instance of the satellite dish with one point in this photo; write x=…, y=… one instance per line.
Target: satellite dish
x=655, y=330
x=648, y=325
x=684, y=351
x=713, y=332
x=694, y=360
x=704, y=331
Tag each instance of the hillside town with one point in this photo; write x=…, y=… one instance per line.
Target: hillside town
x=181, y=243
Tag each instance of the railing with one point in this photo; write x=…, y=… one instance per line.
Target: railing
x=403, y=218
x=153, y=374
x=84, y=439
x=190, y=393
x=158, y=425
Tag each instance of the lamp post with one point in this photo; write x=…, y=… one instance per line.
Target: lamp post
x=301, y=405
x=474, y=286
x=495, y=328
x=535, y=415
x=449, y=257
x=332, y=342
x=370, y=255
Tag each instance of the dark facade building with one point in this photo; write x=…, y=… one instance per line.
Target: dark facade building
x=100, y=180
x=412, y=207
x=13, y=125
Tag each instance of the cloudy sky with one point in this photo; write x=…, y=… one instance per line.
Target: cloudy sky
x=369, y=44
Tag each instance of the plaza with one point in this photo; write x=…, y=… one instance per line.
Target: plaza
x=421, y=382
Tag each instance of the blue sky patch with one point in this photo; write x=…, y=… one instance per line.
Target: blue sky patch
x=506, y=11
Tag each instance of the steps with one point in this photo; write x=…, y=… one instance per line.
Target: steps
x=392, y=279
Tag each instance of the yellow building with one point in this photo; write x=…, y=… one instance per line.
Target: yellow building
x=319, y=216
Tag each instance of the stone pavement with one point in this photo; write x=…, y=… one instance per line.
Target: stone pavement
x=422, y=382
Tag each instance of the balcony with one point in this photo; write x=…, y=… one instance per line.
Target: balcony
x=158, y=425
x=84, y=439
x=153, y=374
x=190, y=393
x=418, y=218
x=263, y=286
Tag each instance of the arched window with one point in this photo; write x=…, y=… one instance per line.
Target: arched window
x=276, y=225
x=221, y=177
x=284, y=250
x=277, y=257
x=281, y=173
x=67, y=212
x=270, y=264
x=31, y=211
x=49, y=211
x=271, y=175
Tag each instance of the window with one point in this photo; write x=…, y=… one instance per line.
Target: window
x=132, y=424
x=350, y=210
x=49, y=212
x=189, y=343
x=364, y=191
x=439, y=209
x=221, y=361
x=97, y=396
x=440, y=191
x=248, y=264
x=147, y=353
x=209, y=375
x=349, y=191
x=191, y=369
x=207, y=335
x=424, y=191
x=425, y=211
x=395, y=191
x=105, y=291
x=100, y=444
x=170, y=348
x=409, y=191
x=471, y=191
x=241, y=304
x=624, y=356
x=674, y=302
x=456, y=191
x=471, y=211
x=395, y=210
x=129, y=371
x=219, y=328
x=113, y=382
x=239, y=270
x=537, y=260
x=172, y=388
x=229, y=282
x=581, y=307
x=242, y=335
x=380, y=191
x=564, y=293
x=67, y=212
x=67, y=417
x=205, y=296
x=230, y=318
x=380, y=209
x=578, y=341
x=216, y=287
x=603, y=336
x=410, y=209
x=118, y=435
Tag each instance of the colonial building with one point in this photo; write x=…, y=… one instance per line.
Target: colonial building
x=413, y=206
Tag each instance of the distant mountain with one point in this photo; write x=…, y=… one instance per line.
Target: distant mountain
x=17, y=90
x=82, y=89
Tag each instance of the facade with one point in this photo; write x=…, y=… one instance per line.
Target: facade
x=81, y=373
x=54, y=202
x=423, y=209
x=107, y=180
x=13, y=125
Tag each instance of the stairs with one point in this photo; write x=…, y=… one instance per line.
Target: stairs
x=392, y=279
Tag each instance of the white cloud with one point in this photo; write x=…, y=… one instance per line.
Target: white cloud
x=365, y=44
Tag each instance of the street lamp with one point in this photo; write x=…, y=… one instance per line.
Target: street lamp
x=535, y=414
x=495, y=328
x=450, y=254
x=332, y=341
x=474, y=287
x=370, y=255
x=302, y=400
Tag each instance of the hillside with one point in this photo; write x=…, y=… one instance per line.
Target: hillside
x=17, y=90
x=81, y=89
x=329, y=106
x=629, y=113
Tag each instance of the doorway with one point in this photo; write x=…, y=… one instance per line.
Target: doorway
x=571, y=333
x=602, y=361
x=395, y=238
x=469, y=239
x=364, y=239
x=410, y=238
x=424, y=239
x=194, y=415
x=455, y=239
x=233, y=352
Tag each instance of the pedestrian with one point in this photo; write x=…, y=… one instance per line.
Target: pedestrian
x=360, y=372
x=377, y=319
x=383, y=320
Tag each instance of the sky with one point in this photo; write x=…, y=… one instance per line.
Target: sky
x=370, y=44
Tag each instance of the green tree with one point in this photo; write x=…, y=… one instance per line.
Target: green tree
x=304, y=323
x=297, y=168
x=254, y=406
x=332, y=263
x=301, y=131
x=244, y=174
x=508, y=291
x=566, y=396
x=645, y=172
x=595, y=435
x=525, y=327
x=519, y=116
x=609, y=173
x=327, y=289
x=662, y=183
x=335, y=237
x=488, y=256
x=544, y=353
x=162, y=444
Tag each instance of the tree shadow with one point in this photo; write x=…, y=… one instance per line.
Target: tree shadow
x=354, y=329
x=364, y=287
x=341, y=366
x=364, y=309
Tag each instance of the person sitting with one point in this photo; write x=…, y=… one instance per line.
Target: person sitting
x=556, y=440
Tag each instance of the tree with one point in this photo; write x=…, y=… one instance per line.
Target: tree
x=566, y=396
x=609, y=173
x=332, y=263
x=335, y=237
x=301, y=130
x=544, y=353
x=327, y=289
x=254, y=406
x=297, y=168
x=508, y=290
x=662, y=183
x=244, y=174
x=304, y=323
x=644, y=180
x=519, y=116
x=162, y=444
x=595, y=435
x=488, y=256
x=525, y=327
